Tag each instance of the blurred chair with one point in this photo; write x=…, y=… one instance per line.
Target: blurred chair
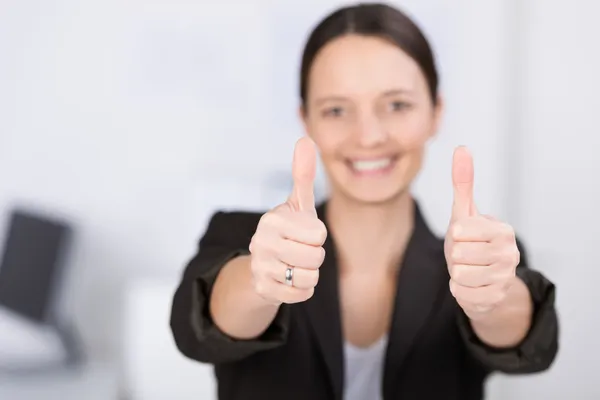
x=32, y=273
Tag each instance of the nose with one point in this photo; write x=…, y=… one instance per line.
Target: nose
x=371, y=131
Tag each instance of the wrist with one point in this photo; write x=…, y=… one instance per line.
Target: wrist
x=516, y=303
x=257, y=301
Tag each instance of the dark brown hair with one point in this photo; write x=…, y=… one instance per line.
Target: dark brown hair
x=373, y=19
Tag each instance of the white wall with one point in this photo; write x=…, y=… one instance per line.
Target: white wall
x=557, y=182
x=114, y=114
x=122, y=115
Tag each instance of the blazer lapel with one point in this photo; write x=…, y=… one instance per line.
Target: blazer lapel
x=420, y=282
x=324, y=313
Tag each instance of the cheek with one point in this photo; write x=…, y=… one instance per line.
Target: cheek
x=412, y=134
x=329, y=138
x=410, y=165
x=411, y=131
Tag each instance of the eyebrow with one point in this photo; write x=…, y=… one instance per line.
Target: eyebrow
x=325, y=99
x=395, y=92
x=387, y=93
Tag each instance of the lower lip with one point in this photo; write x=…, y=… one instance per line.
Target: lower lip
x=374, y=172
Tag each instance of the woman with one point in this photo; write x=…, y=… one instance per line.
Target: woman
x=397, y=312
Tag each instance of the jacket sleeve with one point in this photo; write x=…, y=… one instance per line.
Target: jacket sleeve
x=538, y=350
x=228, y=235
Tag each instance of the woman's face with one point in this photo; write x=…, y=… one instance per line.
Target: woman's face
x=370, y=112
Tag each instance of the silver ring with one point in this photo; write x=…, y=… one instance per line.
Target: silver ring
x=289, y=276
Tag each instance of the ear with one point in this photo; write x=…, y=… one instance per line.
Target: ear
x=302, y=112
x=303, y=115
x=438, y=113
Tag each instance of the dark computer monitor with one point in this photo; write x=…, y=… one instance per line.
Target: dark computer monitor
x=32, y=265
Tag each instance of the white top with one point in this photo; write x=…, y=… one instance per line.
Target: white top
x=364, y=370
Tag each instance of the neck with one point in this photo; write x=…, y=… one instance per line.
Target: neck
x=368, y=235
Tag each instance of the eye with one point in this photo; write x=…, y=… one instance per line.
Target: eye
x=399, y=106
x=333, y=112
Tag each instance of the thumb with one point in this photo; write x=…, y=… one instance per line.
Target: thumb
x=304, y=167
x=462, y=181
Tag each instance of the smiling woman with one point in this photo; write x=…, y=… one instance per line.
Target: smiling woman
x=369, y=107
x=397, y=313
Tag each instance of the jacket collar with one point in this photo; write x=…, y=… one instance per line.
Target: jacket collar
x=420, y=280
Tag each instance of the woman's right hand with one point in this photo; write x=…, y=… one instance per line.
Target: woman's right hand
x=290, y=236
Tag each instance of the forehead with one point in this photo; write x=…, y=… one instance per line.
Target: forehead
x=360, y=65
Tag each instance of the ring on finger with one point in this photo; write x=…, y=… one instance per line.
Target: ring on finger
x=289, y=276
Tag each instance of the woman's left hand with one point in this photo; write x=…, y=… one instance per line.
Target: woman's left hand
x=481, y=252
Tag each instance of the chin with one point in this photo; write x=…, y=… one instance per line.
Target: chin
x=373, y=198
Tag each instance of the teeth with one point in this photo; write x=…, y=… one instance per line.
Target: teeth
x=371, y=165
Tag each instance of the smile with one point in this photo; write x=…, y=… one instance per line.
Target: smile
x=372, y=166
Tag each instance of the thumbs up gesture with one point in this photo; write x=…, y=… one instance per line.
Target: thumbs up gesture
x=481, y=252
x=286, y=249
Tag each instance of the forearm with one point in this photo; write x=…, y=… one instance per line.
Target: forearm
x=508, y=324
x=235, y=307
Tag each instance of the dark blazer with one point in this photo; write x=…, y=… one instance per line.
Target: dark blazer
x=432, y=351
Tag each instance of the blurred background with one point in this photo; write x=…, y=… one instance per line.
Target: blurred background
x=124, y=124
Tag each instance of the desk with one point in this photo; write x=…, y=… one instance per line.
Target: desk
x=92, y=382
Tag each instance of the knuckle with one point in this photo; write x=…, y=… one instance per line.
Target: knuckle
x=286, y=295
x=454, y=253
x=255, y=243
x=457, y=272
x=260, y=288
x=511, y=257
x=283, y=207
x=508, y=231
x=313, y=278
x=451, y=270
x=307, y=294
x=265, y=219
x=454, y=288
x=270, y=219
x=316, y=257
x=507, y=256
x=271, y=244
x=318, y=231
x=516, y=256
x=257, y=238
x=455, y=231
x=321, y=256
x=295, y=295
